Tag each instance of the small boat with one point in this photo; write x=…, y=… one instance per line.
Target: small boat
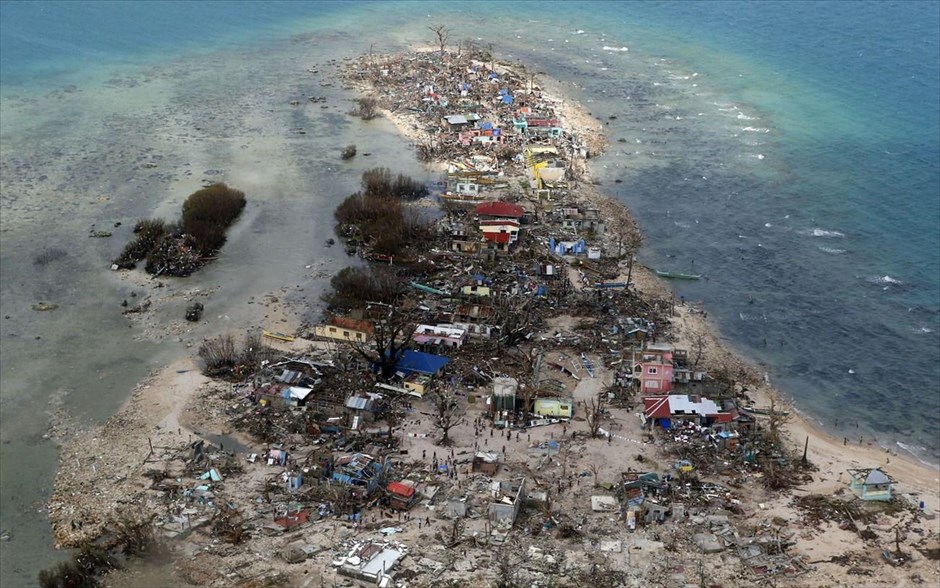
x=278, y=336
x=766, y=411
x=678, y=275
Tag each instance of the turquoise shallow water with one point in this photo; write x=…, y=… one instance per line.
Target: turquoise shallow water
x=789, y=151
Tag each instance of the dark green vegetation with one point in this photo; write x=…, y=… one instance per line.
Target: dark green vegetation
x=377, y=218
x=179, y=249
x=355, y=287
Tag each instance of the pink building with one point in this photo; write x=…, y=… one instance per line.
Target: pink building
x=653, y=368
x=440, y=335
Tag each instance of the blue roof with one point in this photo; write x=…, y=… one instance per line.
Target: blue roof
x=423, y=363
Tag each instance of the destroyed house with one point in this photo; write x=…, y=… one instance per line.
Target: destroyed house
x=486, y=462
x=371, y=562
x=401, y=496
x=364, y=406
x=471, y=313
x=439, y=336
x=636, y=487
x=664, y=410
x=361, y=471
x=297, y=378
x=476, y=289
x=871, y=484
x=462, y=242
x=479, y=330
x=281, y=396
x=588, y=219
x=578, y=247
x=345, y=329
x=508, y=497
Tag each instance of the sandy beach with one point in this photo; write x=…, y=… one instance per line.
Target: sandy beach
x=102, y=470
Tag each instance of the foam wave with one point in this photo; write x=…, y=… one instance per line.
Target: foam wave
x=916, y=453
x=606, y=48
x=831, y=250
x=752, y=317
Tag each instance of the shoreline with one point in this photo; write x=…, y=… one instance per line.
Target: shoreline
x=168, y=395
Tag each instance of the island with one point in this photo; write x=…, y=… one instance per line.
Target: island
x=498, y=394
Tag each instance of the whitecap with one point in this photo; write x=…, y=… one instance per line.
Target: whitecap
x=885, y=280
x=768, y=225
x=825, y=233
x=743, y=116
x=578, y=32
x=851, y=371
x=831, y=250
x=606, y=48
x=756, y=130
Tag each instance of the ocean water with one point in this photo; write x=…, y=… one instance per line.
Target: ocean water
x=787, y=150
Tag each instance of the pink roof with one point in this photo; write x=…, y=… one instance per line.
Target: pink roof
x=499, y=208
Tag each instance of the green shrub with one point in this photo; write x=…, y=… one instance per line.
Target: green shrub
x=149, y=232
x=353, y=287
x=207, y=213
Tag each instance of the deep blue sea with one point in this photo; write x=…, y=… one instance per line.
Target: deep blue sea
x=789, y=151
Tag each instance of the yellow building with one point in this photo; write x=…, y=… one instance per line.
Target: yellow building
x=553, y=407
x=338, y=333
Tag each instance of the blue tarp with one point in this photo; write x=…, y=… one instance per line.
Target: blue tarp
x=486, y=126
x=507, y=99
x=418, y=361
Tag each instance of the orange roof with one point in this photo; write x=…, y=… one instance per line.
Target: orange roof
x=401, y=489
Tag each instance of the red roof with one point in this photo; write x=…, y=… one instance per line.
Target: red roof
x=657, y=407
x=499, y=208
x=401, y=489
